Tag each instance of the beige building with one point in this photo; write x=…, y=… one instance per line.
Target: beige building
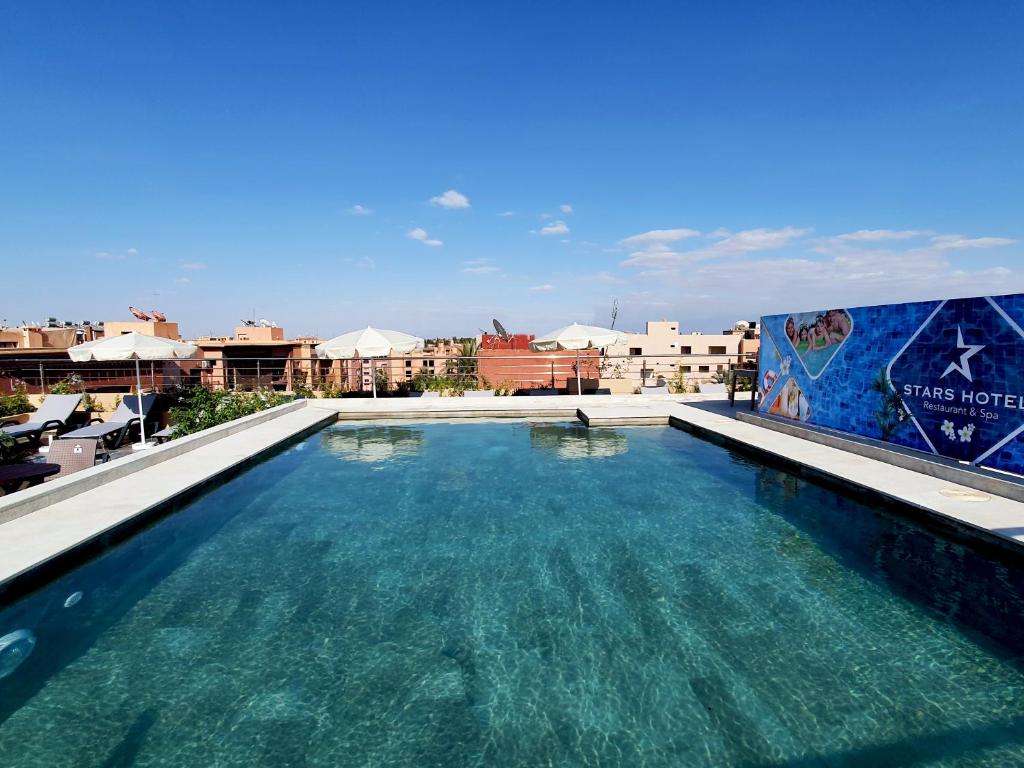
x=662, y=352
x=145, y=327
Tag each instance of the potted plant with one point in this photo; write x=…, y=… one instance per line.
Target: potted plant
x=614, y=377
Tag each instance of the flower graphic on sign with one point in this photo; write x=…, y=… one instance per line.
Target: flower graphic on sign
x=965, y=433
x=949, y=429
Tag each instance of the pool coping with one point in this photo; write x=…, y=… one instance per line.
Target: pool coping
x=937, y=466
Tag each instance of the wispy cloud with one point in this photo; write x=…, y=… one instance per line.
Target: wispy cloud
x=545, y=288
x=878, y=235
x=958, y=242
x=660, y=236
x=602, y=278
x=657, y=254
x=421, y=235
x=116, y=255
x=479, y=267
x=450, y=199
x=506, y=214
x=566, y=209
x=193, y=266
x=360, y=210
x=554, y=228
x=182, y=280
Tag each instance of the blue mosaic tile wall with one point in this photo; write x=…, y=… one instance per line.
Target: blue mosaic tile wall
x=945, y=377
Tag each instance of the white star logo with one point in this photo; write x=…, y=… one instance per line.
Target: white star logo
x=964, y=366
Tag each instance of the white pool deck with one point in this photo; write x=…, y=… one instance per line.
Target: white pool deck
x=41, y=524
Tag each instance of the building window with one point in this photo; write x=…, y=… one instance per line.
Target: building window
x=646, y=373
x=686, y=350
x=686, y=368
x=721, y=367
x=636, y=350
x=703, y=368
x=408, y=363
x=716, y=350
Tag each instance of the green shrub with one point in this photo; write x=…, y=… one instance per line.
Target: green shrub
x=330, y=389
x=199, y=408
x=14, y=403
x=303, y=391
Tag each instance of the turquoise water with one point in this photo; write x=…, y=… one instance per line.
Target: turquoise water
x=508, y=594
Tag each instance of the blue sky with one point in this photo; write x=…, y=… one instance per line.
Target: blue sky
x=426, y=166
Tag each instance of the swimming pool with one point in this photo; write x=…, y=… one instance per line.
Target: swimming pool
x=519, y=594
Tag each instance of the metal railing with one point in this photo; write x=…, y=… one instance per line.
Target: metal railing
x=509, y=373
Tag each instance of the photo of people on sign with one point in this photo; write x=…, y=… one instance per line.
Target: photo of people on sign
x=791, y=403
x=817, y=336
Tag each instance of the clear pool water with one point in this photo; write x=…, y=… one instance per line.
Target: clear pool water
x=512, y=594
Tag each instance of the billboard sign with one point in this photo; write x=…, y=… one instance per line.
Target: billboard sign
x=946, y=377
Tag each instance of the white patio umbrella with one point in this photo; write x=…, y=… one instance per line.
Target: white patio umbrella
x=132, y=346
x=577, y=337
x=369, y=342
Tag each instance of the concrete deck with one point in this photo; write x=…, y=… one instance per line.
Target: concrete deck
x=41, y=525
x=622, y=415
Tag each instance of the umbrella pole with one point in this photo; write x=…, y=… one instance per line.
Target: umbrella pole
x=142, y=418
x=579, y=387
x=373, y=378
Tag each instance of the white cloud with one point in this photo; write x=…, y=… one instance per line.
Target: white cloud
x=421, y=234
x=878, y=235
x=479, y=267
x=566, y=209
x=545, y=288
x=506, y=214
x=660, y=236
x=360, y=210
x=450, y=199
x=754, y=239
x=194, y=266
x=110, y=255
x=602, y=278
x=182, y=280
x=555, y=228
x=954, y=242
x=657, y=254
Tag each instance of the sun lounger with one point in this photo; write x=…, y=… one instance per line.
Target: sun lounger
x=542, y=391
x=662, y=390
x=114, y=431
x=75, y=455
x=714, y=389
x=478, y=393
x=53, y=413
x=164, y=434
x=415, y=393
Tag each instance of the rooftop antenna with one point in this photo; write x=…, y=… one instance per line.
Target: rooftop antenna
x=500, y=330
x=615, y=313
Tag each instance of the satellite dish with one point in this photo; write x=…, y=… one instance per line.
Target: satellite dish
x=138, y=313
x=500, y=330
x=160, y=317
